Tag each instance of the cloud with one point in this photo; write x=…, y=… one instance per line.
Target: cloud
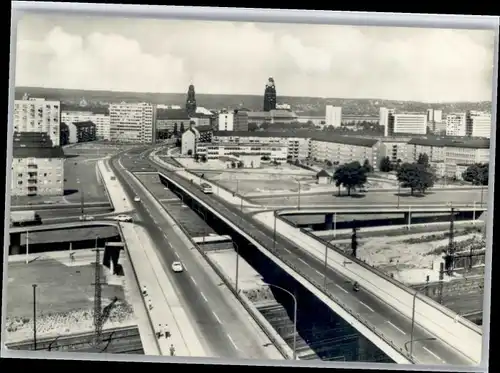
x=224, y=57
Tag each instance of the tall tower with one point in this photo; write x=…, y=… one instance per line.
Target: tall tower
x=270, y=96
x=191, y=101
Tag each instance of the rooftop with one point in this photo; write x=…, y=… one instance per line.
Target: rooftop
x=203, y=128
x=287, y=134
x=35, y=145
x=172, y=114
x=451, y=142
x=346, y=140
x=84, y=124
x=323, y=173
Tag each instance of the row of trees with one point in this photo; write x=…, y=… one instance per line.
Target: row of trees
x=477, y=174
x=352, y=175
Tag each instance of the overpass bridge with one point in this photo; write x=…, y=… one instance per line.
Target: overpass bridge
x=439, y=335
x=408, y=211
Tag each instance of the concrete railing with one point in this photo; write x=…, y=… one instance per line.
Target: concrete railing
x=286, y=265
x=273, y=336
x=100, y=165
x=457, y=332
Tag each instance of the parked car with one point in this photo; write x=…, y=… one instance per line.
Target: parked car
x=177, y=267
x=137, y=199
x=123, y=218
x=86, y=218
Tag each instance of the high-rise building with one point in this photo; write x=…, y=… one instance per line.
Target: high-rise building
x=38, y=115
x=191, y=101
x=333, y=116
x=101, y=121
x=386, y=119
x=240, y=120
x=270, y=95
x=456, y=124
x=37, y=165
x=478, y=124
x=225, y=121
x=430, y=115
x=131, y=122
x=438, y=116
x=408, y=123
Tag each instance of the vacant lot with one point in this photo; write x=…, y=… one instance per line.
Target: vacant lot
x=64, y=298
x=410, y=258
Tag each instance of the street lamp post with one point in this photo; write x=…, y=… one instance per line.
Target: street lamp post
x=413, y=321
x=34, y=316
x=27, y=246
x=417, y=340
x=294, y=318
x=274, y=231
x=326, y=264
x=237, y=265
x=298, y=201
x=399, y=192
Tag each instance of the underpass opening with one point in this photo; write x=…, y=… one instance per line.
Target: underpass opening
x=322, y=334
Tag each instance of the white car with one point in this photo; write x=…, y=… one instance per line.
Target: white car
x=137, y=199
x=86, y=218
x=123, y=218
x=177, y=267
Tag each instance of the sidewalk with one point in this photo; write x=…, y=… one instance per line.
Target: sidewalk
x=116, y=194
x=164, y=307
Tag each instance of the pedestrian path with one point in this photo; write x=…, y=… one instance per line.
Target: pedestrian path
x=116, y=194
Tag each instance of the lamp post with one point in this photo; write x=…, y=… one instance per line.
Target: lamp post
x=27, y=246
x=274, y=231
x=206, y=224
x=34, y=316
x=294, y=317
x=413, y=321
x=237, y=265
x=326, y=264
x=298, y=201
x=416, y=340
x=399, y=192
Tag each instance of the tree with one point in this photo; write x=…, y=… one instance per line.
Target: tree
x=367, y=166
x=204, y=158
x=265, y=158
x=196, y=157
x=329, y=163
x=354, y=243
x=477, y=174
x=423, y=159
x=415, y=176
x=190, y=152
x=385, y=164
x=175, y=131
x=233, y=165
x=350, y=175
x=182, y=128
x=240, y=164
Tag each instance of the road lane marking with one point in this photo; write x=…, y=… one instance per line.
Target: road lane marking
x=192, y=279
x=395, y=327
x=177, y=255
x=204, y=297
x=234, y=344
x=433, y=354
x=217, y=317
x=367, y=306
x=303, y=261
x=341, y=288
x=319, y=273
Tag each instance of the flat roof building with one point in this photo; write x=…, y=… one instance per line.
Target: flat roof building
x=131, y=122
x=38, y=115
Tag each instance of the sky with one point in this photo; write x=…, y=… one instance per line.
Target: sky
x=163, y=56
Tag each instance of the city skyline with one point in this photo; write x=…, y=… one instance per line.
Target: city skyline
x=87, y=53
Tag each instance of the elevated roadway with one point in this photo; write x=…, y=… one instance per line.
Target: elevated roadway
x=226, y=332
x=389, y=325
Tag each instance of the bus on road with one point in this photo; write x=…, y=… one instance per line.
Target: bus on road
x=23, y=218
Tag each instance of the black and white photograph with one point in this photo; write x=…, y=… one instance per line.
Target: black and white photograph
x=249, y=190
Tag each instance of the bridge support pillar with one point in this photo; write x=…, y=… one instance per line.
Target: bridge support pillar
x=407, y=216
x=15, y=244
x=328, y=222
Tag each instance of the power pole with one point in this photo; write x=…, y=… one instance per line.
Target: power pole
x=451, y=244
x=97, y=298
x=81, y=202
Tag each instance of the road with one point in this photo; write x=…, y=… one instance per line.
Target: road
x=436, y=196
x=68, y=215
x=224, y=330
x=392, y=324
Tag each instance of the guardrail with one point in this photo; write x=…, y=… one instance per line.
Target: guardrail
x=244, y=301
x=319, y=287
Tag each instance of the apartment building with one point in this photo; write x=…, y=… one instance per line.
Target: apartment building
x=478, y=124
x=456, y=124
x=81, y=132
x=297, y=144
x=409, y=123
x=386, y=119
x=101, y=121
x=254, y=151
x=225, y=121
x=272, y=116
x=38, y=115
x=344, y=149
x=193, y=136
x=240, y=120
x=131, y=122
x=333, y=116
x=394, y=148
x=168, y=119
x=37, y=166
x=455, y=155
